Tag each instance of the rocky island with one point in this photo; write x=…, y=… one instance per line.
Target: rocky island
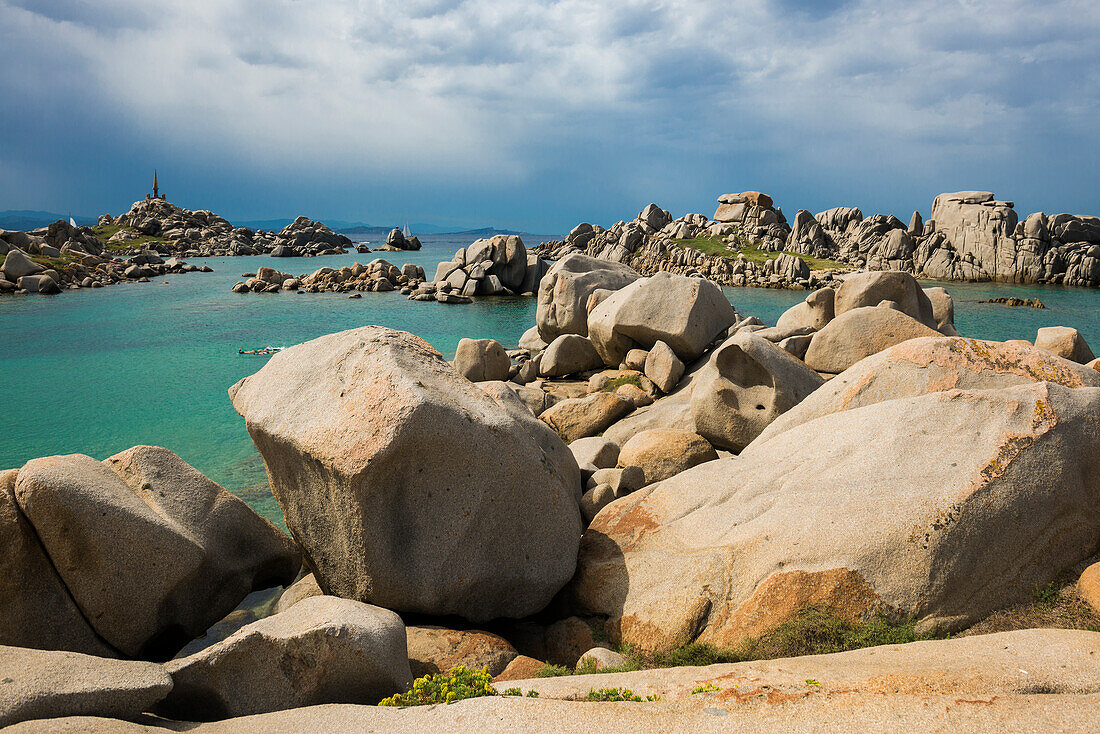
x=621, y=522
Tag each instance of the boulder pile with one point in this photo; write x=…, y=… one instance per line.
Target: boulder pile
x=376, y=276
x=969, y=236
x=498, y=266
x=43, y=269
x=175, y=230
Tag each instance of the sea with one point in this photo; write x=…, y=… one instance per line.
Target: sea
x=96, y=371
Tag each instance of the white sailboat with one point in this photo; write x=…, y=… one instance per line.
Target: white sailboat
x=407, y=232
x=72, y=221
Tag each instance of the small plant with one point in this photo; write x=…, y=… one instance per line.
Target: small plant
x=1047, y=595
x=532, y=693
x=812, y=682
x=512, y=692
x=705, y=688
x=616, y=694
x=552, y=671
x=449, y=687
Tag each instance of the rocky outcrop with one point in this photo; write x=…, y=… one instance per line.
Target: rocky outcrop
x=969, y=236
x=151, y=551
x=684, y=313
x=746, y=384
x=860, y=333
x=321, y=650
x=921, y=366
x=201, y=233
x=46, y=684
x=377, y=276
x=396, y=240
x=498, y=266
x=479, y=360
x=563, y=295
x=940, y=508
x=407, y=486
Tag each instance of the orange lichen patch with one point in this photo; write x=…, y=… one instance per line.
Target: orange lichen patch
x=628, y=528
x=780, y=597
x=959, y=354
x=769, y=694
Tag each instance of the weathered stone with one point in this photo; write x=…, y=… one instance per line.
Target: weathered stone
x=531, y=341
x=45, y=684
x=1065, y=342
x=595, y=450
x=17, y=265
x=920, y=366
x=869, y=288
x=522, y=667
x=435, y=649
x=481, y=359
x=594, y=500
x=814, y=312
x=567, y=355
x=887, y=508
x=665, y=452
x=564, y=291
x=579, y=417
x=1088, y=586
x=385, y=463
x=152, y=552
x=303, y=588
x=599, y=658
x=36, y=609
x=663, y=367
x=859, y=333
x=747, y=383
x=321, y=650
x=943, y=310
x=685, y=313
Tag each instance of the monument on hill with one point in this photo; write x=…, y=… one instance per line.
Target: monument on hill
x=156, y=189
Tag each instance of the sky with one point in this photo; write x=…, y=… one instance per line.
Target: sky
x=538, y=115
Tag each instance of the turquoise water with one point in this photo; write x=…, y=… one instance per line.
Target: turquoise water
x=98, y=371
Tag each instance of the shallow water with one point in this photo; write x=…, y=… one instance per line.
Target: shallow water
x=98, y=371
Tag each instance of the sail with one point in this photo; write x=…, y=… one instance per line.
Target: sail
x=407, y=232
x=72, y=221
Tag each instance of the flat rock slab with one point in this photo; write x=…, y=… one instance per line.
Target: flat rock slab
x=1006, y=663
x=843, y=714
x=40, y=684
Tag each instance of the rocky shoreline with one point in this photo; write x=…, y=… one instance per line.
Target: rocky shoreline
x=969, y=236
x=149, y=241
x=650, y=479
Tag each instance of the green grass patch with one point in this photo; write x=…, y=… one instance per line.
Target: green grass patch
x=64, y=265
x=457, y=684
x=105, y=231
x=709, y=245
x=553, y=671
x=616, y=383
x=814, y=630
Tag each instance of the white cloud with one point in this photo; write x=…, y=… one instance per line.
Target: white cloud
x=489, y=87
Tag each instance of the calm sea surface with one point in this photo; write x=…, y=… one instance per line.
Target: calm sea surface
x=98, y=371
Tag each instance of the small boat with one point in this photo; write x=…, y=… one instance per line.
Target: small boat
x=407, y=232
x=260, y=352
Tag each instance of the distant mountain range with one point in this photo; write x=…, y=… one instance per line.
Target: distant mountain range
x=25, y=219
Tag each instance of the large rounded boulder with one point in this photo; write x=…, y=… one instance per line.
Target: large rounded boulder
x=406, y=485
x=747, y=383
x=151, y=551
x=859, y=333
x=562, y=306
x=940, y=508
x=872, y=287
x=685, y=313
x=920, y=366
